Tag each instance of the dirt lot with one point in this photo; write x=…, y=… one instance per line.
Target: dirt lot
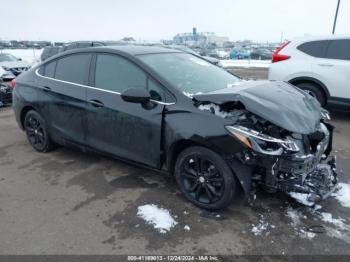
x=68, y=202
x=249, y=73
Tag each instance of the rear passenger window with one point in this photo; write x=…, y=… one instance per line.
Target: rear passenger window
x=314, y=48
x=74, y=68
x=117, y=74
x=50, y=69
x=339, y=49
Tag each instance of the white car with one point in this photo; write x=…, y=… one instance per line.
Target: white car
x=318, y=65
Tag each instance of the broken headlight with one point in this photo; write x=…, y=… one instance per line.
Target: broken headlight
x=325, y=114
x=262, y=143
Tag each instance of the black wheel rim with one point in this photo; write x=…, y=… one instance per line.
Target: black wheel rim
x=35, y=132
x=201, y=179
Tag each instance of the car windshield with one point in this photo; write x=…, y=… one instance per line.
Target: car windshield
x=189, y=73
x=7, y=58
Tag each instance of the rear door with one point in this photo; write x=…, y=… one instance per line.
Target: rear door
x=120, y=128
x=333, y=68
x=64, y=96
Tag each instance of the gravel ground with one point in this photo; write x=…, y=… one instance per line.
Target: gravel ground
x=69, y=202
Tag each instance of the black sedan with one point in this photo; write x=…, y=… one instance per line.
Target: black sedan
x=180, y=115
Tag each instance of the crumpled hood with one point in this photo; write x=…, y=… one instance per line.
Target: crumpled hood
x=14, y=64
x=278, y=102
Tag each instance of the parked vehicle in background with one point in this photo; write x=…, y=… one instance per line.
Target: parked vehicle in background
x=176, y=113
x=12, y=64
x=49, y=51
x=186, y=49
x=238, y=53
x=318, y=65
x=6, y=75
x=5, y=94
x=54, y=50
x=261, y=54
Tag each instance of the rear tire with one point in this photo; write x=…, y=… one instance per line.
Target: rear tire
x=314, y=90
x=37, y=134
x=205, y=178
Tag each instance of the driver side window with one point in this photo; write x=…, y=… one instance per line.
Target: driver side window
x=114, y=73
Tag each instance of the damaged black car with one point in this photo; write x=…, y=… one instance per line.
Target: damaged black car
x=177, y=114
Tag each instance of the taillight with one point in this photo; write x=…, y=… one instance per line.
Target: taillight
x=13, y=83
x=276, y=56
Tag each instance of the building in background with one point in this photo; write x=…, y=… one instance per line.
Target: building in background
x=200, y=39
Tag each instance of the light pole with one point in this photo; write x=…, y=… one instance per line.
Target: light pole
x=335, y=18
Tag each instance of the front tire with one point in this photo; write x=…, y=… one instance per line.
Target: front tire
x=205, y=178
x=36, y=131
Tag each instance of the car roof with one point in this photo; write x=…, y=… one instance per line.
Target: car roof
x=324, y=37
x=139, y=50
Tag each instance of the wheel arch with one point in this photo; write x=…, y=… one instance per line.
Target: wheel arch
x=23, y=113
x=307, y=79
x=180, y=145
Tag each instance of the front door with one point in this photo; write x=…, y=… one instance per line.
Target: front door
x=120, y=128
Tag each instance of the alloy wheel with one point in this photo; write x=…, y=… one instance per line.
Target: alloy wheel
x=202, y=181
x=35, y=132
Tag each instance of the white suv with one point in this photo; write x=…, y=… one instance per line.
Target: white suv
x=319, y=65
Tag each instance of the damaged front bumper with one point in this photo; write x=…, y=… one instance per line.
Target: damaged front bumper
x=317, y=185
x=311, y=172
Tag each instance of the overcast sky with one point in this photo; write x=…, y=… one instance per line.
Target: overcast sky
x=262, y=20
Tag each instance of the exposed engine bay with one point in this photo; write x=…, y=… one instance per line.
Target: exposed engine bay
x=281, y=160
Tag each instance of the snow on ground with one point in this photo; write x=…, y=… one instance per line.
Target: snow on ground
x=301, y=198
x=160, y=218
x=187, y=228
x=343, y=194
x=28, y=55
x=262, y=227
x=295, y=216
x=338, y=229
x=334, y=227
x=246, y=63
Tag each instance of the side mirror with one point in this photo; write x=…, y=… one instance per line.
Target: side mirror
x=136, y=95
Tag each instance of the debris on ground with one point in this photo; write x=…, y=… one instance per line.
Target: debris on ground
x=262, y=227
x=160, y=218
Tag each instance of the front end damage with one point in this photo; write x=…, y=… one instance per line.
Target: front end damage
x=277, y=159
x=304, y=169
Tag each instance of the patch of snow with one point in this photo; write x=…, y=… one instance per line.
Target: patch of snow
x=217, y=111
x=301, y=198
x=327, y=217
x=187, y=228
x=261, y=227
x=317, y=207
x=160, y=218
x=294, y=215
x=305, y=234
x=343, y=194
x=190, y=95
x=245, y=63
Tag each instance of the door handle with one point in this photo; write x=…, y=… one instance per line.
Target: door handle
x=47, y=89
x=326, y=65
x=96, y=103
